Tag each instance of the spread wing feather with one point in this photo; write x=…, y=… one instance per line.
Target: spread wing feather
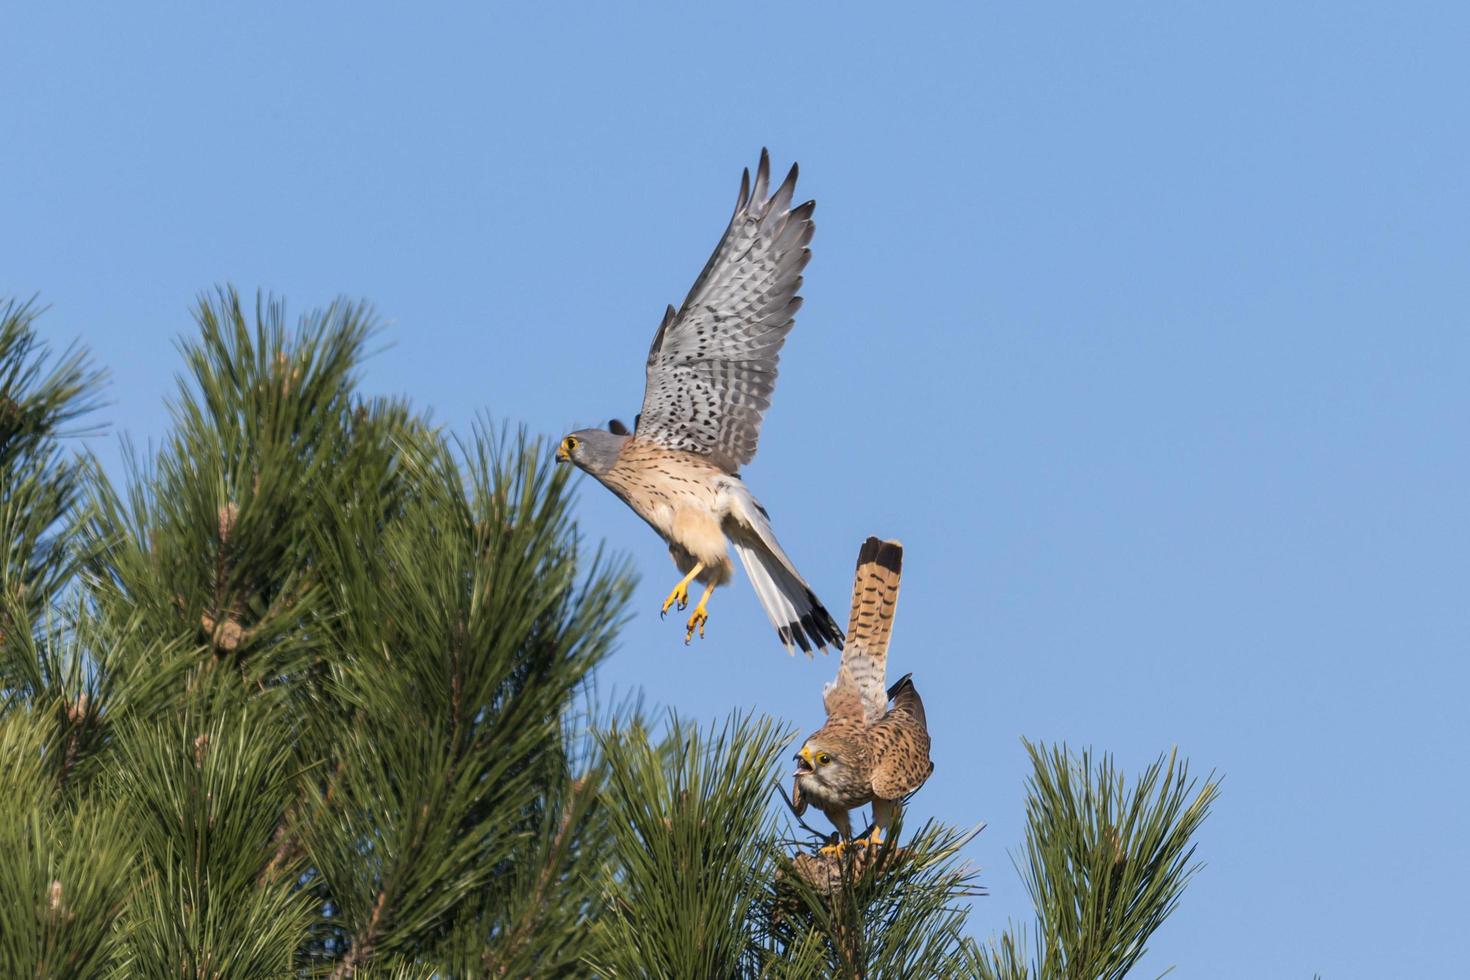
x=712, y=365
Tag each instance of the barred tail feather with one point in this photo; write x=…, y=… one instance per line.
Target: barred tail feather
x=870, y=626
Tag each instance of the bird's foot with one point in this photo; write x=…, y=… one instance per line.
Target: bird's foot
x=680, y=595
x=875, y=839
x=696, y=622
x=838, y=848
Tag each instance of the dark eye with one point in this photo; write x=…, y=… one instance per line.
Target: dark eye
x=571, y=443
x=823, y=759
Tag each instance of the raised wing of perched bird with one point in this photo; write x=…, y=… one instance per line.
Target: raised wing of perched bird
x=711, y=371
x=867, y=752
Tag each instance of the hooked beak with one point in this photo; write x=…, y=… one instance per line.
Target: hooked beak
x=562, y=456
x=804, y=765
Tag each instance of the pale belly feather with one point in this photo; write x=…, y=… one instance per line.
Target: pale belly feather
x=686, y=504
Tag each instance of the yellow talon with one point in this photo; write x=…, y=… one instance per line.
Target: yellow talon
x=681, y=591
x=696, y=622
x=680, y=595
x=699, y=617
x=837, y=848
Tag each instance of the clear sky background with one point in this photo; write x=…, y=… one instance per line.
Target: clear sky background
x=1143, y=326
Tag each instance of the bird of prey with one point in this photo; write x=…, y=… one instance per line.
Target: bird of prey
x=867, y=752
x=710, y=374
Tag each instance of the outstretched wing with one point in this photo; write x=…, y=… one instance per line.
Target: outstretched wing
x=712, y=366
x=870, y=625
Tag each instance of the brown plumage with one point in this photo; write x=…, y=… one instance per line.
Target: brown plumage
x=867, y=752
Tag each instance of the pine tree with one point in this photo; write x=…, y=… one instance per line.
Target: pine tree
x=306, y=692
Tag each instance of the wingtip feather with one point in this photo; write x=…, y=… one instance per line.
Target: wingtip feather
x=904, y=689
x=762, y=178
x=897, y=687
x=781, y=200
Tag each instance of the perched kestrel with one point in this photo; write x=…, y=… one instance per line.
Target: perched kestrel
x=711, y=371
x=866, y=752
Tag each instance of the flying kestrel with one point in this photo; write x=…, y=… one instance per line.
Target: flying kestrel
x=711, y=371
x=866, y=752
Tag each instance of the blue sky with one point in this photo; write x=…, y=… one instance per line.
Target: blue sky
x=1144, y=328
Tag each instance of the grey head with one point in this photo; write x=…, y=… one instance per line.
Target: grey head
x=592, y=450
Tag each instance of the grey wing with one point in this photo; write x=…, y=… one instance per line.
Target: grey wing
x=712, y=366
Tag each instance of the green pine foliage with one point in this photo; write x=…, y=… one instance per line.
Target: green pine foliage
x=39, y=398
x=897, y=911
x=1104, y=863
x=307, y=691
